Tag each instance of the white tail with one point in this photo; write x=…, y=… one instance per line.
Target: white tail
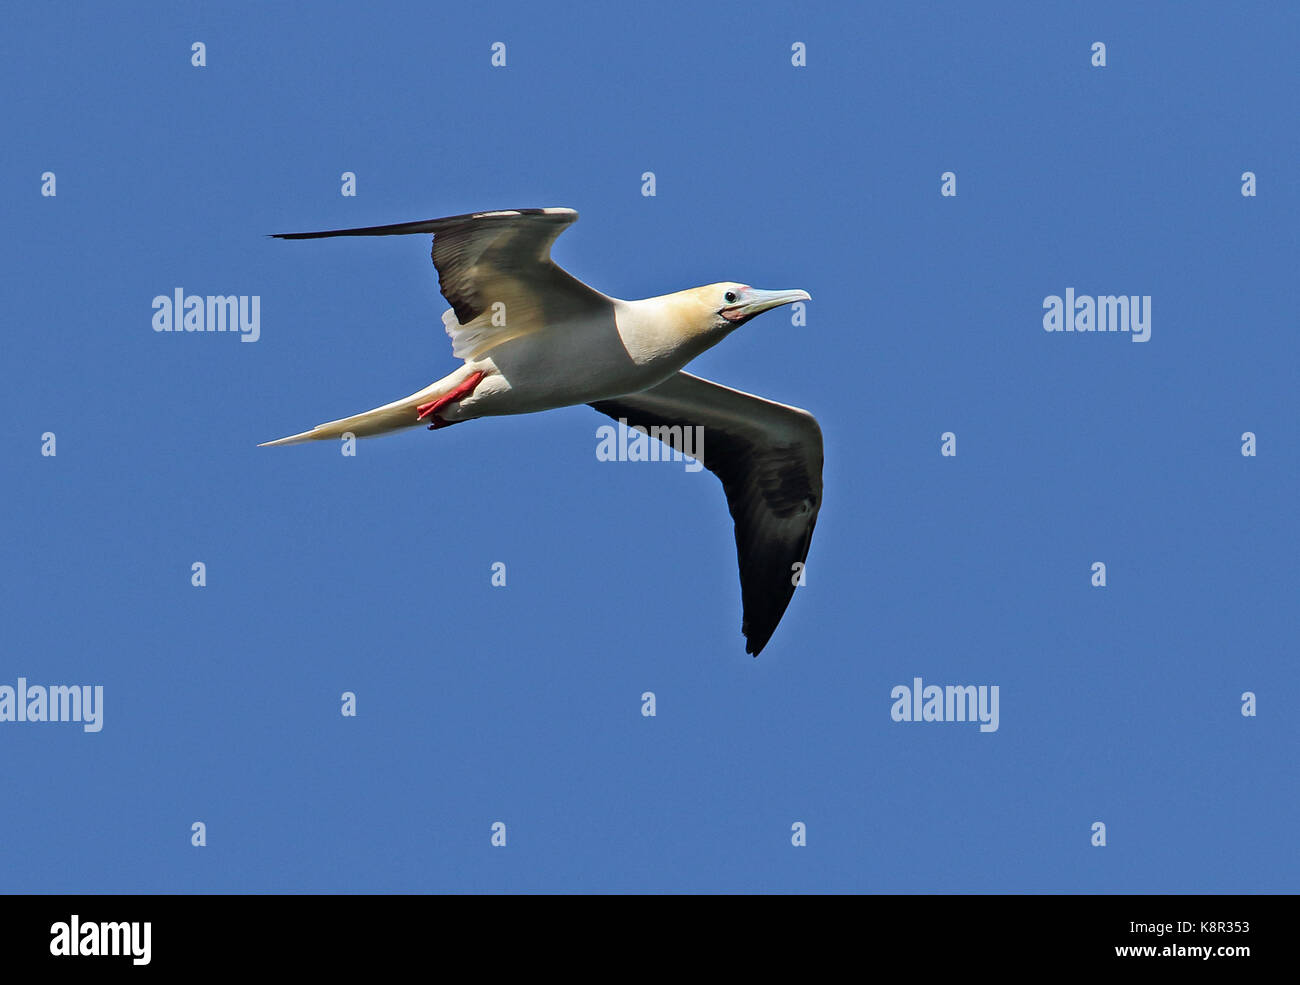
x=390, y=417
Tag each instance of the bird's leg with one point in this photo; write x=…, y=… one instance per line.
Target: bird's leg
x=457, y=393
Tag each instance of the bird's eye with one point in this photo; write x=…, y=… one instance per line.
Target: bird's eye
x=730, y=297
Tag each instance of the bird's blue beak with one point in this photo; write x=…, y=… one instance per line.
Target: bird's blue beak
x=750, y=302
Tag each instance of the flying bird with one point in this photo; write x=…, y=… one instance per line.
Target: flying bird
x=534, y=338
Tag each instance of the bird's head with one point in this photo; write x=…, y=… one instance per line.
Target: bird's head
x=734, y=304
x=693, y=320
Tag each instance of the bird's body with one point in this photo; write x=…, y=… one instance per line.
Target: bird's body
x=534, y=338
x=616, y=347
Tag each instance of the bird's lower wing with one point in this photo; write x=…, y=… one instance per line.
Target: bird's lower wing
x=769, y=458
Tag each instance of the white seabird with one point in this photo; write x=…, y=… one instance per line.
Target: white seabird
x=533, y=338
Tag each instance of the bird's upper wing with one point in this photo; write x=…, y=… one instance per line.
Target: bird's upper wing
x=769, y=458
x=496, y=272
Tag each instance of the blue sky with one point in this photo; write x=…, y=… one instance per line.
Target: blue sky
x=522, y=704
